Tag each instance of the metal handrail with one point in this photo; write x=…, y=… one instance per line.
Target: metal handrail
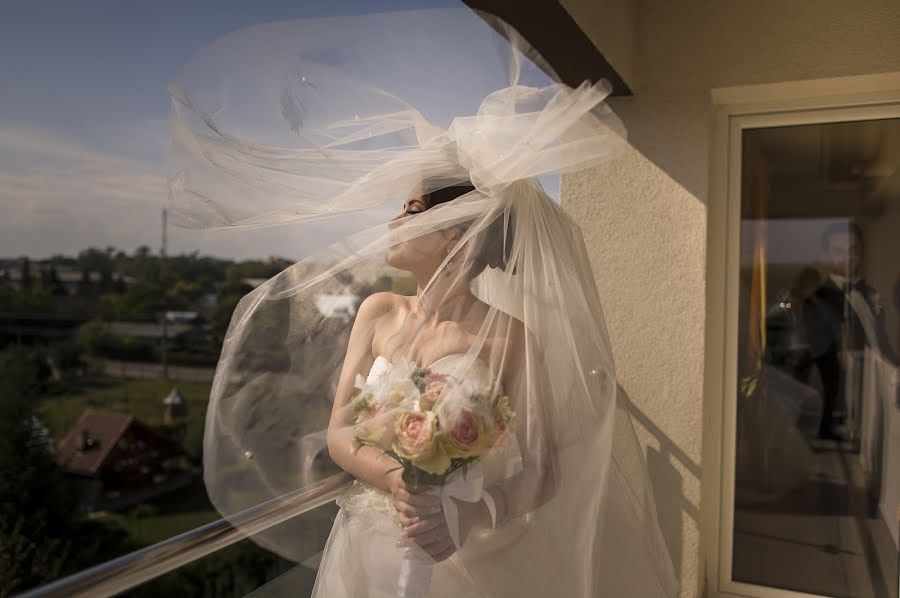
x=133, y=569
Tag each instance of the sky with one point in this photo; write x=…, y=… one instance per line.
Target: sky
x=84, y=119
x=789, y=240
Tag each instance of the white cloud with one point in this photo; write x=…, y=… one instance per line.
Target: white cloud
x=61, y=195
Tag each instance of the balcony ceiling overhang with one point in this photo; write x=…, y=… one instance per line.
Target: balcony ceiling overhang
x=553, y=32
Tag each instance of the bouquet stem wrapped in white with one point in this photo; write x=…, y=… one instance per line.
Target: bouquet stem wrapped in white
x=437, y=428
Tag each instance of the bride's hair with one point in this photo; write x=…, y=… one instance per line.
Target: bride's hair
x=490, y=248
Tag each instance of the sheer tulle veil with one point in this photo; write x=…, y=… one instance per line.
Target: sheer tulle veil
x=330, y=125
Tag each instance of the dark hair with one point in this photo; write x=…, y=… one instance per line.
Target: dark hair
x=490, y=249
x=445, y=194
x=838, y=228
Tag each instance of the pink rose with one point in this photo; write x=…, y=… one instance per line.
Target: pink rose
x=415, y=432
x=502, y=415
x=499, y=421
x=434, y=390
x=501, y=430
x=465, y=438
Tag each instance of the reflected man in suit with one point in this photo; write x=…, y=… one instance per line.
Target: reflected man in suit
x=844, y=314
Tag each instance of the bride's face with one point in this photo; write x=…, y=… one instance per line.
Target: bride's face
x=425, y=252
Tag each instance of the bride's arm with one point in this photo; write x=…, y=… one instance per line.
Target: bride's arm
x=525, y=380
x=368, y=464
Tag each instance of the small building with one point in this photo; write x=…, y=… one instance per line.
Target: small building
x=121, y=461
x=342, y=306
x=183, y=317
x=175, y=407
x=254, y=282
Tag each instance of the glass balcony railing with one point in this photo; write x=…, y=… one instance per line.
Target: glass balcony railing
x=155, y=562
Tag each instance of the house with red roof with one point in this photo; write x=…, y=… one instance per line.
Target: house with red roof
x=121, y=461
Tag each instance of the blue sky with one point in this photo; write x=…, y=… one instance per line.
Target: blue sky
x=83, y=118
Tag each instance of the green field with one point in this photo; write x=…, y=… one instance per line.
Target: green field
x=236, y=570
x=168, y=515
x=177, y=511
x=140, y=398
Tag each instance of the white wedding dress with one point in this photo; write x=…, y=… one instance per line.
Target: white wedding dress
x=361, y=558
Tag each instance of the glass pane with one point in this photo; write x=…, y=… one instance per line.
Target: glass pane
x=817, y=485
x=246, y=569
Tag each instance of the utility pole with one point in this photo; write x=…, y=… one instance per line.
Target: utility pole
x=162, y=277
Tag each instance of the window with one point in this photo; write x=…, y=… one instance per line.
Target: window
x=815, y=495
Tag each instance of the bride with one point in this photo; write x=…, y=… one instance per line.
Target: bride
x=332, y=122
x=437, y=333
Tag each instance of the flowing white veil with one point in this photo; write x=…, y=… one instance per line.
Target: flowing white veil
x=334, y=123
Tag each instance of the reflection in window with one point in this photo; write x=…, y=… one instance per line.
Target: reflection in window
x=817, y=484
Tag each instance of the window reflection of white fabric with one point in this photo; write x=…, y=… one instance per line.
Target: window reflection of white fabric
x=879, y=453
x=870, y=388
x=860, y=380
x=866, y=317
x=773, y=455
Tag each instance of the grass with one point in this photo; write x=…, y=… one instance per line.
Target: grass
x=180, y=510
x=176, y=512
x=140, y=398
x=172, y=513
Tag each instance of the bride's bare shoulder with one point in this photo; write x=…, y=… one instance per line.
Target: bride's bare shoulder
x=378, y=305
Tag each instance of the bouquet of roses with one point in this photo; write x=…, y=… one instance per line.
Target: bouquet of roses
x=431, y=423
x=434, y=425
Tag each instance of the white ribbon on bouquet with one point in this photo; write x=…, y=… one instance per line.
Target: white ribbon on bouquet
x=468, y=486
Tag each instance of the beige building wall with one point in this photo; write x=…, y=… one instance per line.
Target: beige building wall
x=644, y=215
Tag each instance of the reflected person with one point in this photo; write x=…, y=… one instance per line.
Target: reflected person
x=844, y=314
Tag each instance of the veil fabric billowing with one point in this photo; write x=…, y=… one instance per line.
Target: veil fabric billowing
x=333, y=124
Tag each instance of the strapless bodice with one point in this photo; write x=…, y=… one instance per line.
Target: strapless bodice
x=448, y=364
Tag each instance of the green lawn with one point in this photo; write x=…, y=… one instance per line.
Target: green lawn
x=176, y=513
x=140, y=398
x=167, y=515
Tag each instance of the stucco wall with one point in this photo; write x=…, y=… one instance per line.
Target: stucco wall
x=644, y=215
x=645, y=235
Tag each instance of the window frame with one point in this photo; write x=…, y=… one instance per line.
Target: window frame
x=734, y=109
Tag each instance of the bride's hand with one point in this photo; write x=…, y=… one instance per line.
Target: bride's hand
x=422, y=518
x=432, y=535
x=411, y=503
